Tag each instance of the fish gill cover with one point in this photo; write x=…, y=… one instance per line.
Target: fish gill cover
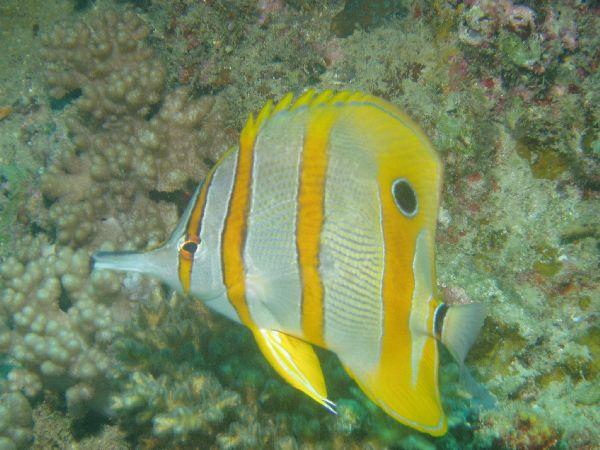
x=117, y=112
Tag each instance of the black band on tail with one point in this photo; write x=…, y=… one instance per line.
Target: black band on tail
x=438, y=322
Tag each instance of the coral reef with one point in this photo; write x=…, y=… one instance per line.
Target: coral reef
x=130, y=155
x=168, y=392
x=15, y=421
x=507, y=103
x=107, y=60
x=540, y=56
x=55, y=429
x=59, y=325
x=507, y=93
x=247, y=51
x=123, y=150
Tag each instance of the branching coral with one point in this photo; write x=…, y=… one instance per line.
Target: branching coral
x=58, y=324
x=197, y=404
x=107, y=60
x=166, y=383
x=15, y=422
x=122, y=152
x=117, y=184
x=59, y=320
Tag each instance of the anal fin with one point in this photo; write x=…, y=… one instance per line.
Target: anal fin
x=296, y=361
x=391, y=386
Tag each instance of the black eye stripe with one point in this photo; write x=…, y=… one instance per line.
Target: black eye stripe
x=190, y=247
x=405, y=197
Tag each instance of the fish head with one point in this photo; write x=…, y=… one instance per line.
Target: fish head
x=186, y=263
x=183, y=263
x=199, y=267
x=160, y=263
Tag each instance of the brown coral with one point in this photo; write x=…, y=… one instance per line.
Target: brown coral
x=117, y=163
x=108, y=61
x=5, y=111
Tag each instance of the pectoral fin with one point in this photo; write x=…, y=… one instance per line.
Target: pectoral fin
x=296, y=362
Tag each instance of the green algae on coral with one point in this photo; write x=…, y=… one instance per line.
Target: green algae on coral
x=544, y=162
x=548, y=264
x=15, y=182
x=365, y=15
x=523, y=53
x=591, y=339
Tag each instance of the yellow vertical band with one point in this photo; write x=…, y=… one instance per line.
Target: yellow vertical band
x=234, y=230
x=185, y=273
x=195, y=221
x=311, y=204
x=186, y=261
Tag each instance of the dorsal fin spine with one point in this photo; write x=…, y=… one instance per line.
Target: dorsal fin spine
x=308, y=99
x=303, y=100
x=264, y=114
x=284, y=103
x=322, y=98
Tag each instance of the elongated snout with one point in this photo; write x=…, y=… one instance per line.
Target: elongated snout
x=160, y=263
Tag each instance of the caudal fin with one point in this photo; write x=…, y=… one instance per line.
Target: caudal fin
x=457, y=326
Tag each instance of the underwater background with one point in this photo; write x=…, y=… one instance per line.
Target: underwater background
x=112, y=111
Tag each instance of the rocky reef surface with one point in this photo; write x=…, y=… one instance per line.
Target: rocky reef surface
x=118, y=109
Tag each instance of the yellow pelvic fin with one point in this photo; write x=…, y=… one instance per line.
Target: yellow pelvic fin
x=296, y=362
x=390, y=386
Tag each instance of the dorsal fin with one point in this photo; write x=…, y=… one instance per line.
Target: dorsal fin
x=308, y=99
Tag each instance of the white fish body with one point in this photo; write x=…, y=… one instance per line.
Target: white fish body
x=319, y=229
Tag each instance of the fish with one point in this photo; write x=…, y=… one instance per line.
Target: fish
x=318, y=229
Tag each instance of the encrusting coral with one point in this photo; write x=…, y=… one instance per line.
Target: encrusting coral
x=507, y=103
x=539, y=56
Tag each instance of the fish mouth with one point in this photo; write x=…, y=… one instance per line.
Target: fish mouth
x=154, y=263
x=143, y=262
x=123, y=261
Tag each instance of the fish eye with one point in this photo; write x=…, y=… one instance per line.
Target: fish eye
x=405, y=197
x=188, y=246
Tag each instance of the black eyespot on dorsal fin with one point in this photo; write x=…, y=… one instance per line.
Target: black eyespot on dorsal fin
x=405, y=197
